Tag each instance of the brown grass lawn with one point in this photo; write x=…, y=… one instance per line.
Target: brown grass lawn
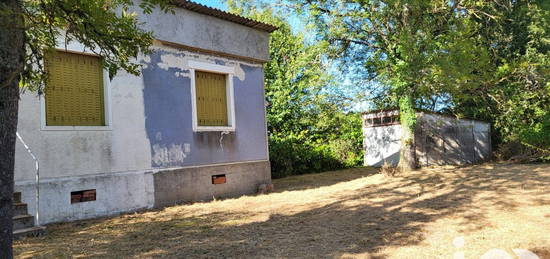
x=355, y=213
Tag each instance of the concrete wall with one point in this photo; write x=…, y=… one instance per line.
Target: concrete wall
x=130, y=191
x=151, y=129
x=116, y=193
x=382, y=144
x=207, y=33
x=195, y=183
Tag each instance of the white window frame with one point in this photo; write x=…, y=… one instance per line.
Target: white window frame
x=106, y=103
x=219, y=69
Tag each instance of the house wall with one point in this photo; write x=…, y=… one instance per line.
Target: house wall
x=207, y=33
x=151, y=133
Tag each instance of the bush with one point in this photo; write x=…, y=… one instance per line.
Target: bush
x=311, y=152
x=291, y=156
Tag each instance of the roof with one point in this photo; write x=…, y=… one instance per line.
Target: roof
x=203, y=9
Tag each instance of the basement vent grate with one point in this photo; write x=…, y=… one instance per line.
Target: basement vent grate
x=83, y=196
x=218, y=179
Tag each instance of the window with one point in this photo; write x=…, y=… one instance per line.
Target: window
x=74, y=94
x=212, y=97
x=382, y=121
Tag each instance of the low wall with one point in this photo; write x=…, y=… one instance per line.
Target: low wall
x=115, y=193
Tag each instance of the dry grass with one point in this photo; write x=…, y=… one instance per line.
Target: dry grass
x=354, y=213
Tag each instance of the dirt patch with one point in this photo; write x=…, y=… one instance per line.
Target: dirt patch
x=357, y=213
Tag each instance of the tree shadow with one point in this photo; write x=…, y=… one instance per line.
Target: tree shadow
x=316, y=180
x=362, y=222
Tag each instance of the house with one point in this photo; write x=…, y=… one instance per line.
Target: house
x=191, y=127
x=438, y=139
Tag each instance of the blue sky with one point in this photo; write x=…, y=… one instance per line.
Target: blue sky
x=299, y=26
x=213, y=3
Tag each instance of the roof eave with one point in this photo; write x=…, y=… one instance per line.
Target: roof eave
x=203, y=9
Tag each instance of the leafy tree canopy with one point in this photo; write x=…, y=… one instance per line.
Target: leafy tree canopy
x=309, y=128
x=109, y=28
x=482, y=59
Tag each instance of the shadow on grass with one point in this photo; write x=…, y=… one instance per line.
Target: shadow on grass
x=316, y=180
x=363, y=222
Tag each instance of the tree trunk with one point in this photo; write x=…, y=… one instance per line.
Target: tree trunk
x=407, y=114
x=407, y=161
x=12, y=50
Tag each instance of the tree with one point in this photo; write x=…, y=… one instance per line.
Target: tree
x=294, y=75
x=516, y=98
x=28, y=30
x=424, y=50
x=307, y=120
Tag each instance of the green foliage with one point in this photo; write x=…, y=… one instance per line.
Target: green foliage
x=290, y=155
x=309, y=130
x=516, y=98
x=109, y=28
x=407, y=113
x=423, y=50
x=483, y=59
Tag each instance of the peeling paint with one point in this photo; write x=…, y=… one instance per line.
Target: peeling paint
x=168, y=123
x=167, y=155
x=179, y=60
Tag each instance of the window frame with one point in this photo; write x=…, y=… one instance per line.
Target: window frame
x=106, y=103
x=229, y=72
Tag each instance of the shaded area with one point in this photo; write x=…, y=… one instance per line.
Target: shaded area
x=349, y=213
x=444, y=140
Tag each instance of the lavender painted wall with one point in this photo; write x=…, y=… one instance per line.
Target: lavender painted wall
x=168, y=118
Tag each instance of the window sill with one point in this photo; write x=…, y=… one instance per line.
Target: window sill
x=76, y=128
x=207, y=129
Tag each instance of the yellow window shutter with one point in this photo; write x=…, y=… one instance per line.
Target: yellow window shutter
x=211, y=98
x=74, y=91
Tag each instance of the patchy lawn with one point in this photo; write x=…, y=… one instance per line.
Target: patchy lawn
x=350, y=213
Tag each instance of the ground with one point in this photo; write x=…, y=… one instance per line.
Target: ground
x=356, y=213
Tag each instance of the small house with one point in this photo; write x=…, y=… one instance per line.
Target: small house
x=191, y=127
x=438, y=139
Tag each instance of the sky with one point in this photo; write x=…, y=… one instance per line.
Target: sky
x=298, y=25
x=213, y=3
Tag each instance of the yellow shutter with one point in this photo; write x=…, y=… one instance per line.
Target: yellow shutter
x=211, y=100
x=74, y=91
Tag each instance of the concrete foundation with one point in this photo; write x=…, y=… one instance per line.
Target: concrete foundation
x=116, y=193
x=130, y=191
x=195, y=183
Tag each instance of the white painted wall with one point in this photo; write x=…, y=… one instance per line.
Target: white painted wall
x=71, y=153
x=382, y=144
